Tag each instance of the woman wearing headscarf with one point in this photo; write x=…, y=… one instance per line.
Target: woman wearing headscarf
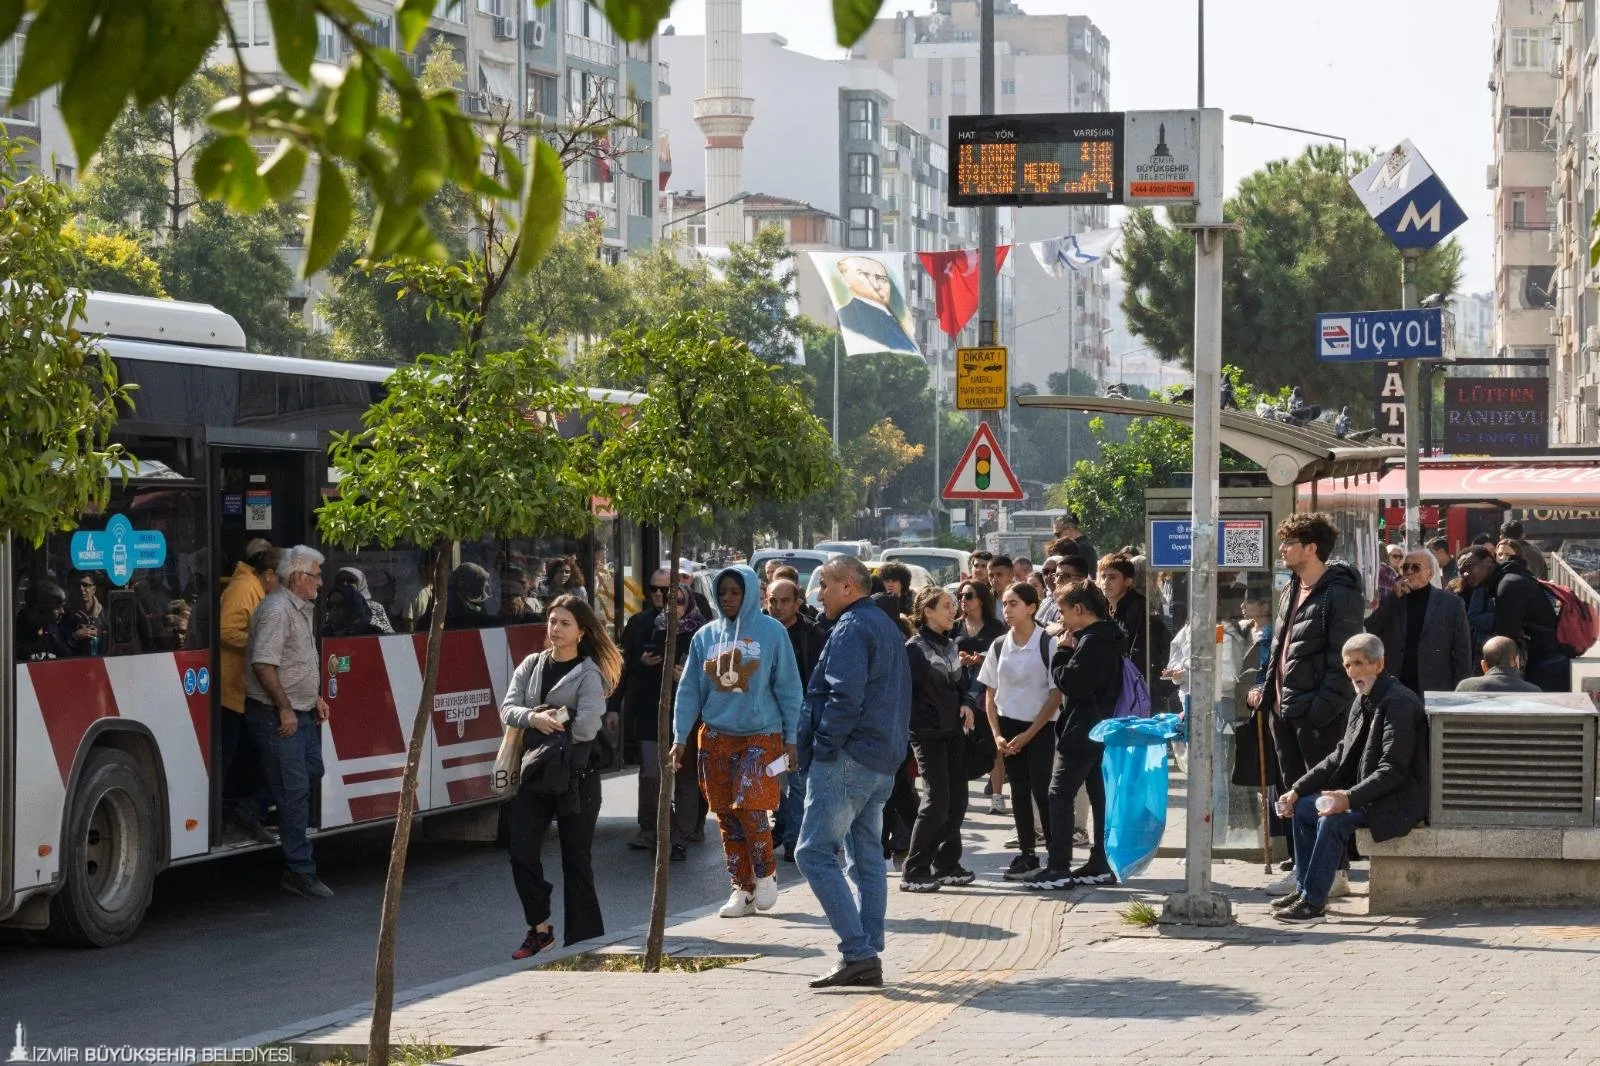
x=356, y=578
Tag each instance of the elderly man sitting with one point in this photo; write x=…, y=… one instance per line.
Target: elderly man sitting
x=1377, y=777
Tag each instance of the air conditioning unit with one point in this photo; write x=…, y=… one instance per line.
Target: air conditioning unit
x=1554, y=328
x=476, y=103
x=1492, y=178
x=533, y=34
x=1591, y=338
x=1553, y=240
x=504, y=29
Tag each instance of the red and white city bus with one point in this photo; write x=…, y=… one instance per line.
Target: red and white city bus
x=108, y=755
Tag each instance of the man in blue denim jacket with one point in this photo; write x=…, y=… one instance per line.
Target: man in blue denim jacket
x=854, y=729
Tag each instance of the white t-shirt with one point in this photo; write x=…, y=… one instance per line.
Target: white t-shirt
x=1019, y=679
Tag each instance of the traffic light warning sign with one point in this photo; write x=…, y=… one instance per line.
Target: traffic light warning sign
x=983, y=473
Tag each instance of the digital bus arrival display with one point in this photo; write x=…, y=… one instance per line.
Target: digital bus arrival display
x=1023, y=160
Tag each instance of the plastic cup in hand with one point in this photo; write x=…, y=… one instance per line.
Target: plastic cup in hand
x=1324, y=804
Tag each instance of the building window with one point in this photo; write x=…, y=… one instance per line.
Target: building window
x=863, y=174
x=935, y=88
x=863, y=120
x=10, y=56
x=1519, y=210
x=450, y=10
x=585, y=21
x=888, y=236
x=64, y=175
x=492, y=7
x=935, y=123
x=1008, y=88
x=250, y=21
x=863, y=228
x=327, y=40
x=638, y=196
x=958, y=87
x=697, y=234
x=1529, y=49
x=1527, y=128
x=544, y=96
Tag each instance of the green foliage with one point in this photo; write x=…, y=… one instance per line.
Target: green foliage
x=465, y=445
x=232, y=262
x=1108, y=492
x=1307, y=246
x=103, y=54
x=715, y=433
x=112, y=262
x=60, y=400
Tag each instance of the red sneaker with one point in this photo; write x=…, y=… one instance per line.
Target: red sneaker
x=536, y=941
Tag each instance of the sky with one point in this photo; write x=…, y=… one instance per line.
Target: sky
x=1372, y=71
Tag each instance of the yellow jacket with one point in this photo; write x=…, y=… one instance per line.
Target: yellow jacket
x=239, y=602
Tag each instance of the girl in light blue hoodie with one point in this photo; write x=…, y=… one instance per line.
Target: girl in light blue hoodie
x=741, y=682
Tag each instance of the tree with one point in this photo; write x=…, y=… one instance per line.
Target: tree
x=61, y=395
x=873, y=459
x=1307, y=246
x=233, y=262
x=104, y=54
x=112, y=262
x=462, y=446
x=1108, y=492
x=714, y=433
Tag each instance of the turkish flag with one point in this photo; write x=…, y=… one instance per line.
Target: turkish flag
x=955, y=283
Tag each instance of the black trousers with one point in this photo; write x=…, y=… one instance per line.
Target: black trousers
x=936, y=833
x=900, y=812
x=1077, y=766
x=240, y=766
x=1029, y=776
x=531, y=813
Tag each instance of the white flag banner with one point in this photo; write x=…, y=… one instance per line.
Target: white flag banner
x=867, y=290
x=1076, y=251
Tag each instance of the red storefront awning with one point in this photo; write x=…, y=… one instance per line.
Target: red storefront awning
x=1530, y=484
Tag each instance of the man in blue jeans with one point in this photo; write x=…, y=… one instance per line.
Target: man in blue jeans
x=854, y=729
x=1377, y=777
x=284, y=709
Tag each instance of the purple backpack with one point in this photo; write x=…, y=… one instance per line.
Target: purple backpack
x=1134, y=699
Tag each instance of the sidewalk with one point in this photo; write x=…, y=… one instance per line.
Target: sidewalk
x=995, y=974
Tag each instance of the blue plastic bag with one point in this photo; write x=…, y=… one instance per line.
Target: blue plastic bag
x=1135, y=771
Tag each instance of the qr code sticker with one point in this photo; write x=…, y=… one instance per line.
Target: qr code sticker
x=1244, y=546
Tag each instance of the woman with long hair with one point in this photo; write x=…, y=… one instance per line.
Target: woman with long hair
x=1020, y=701
x=940, y=714
x=561, y=689
x=742, y=687
x=976, y=629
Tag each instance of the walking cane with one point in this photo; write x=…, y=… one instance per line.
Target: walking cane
x=1261, y=762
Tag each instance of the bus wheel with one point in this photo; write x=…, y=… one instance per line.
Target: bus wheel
x=109, y=861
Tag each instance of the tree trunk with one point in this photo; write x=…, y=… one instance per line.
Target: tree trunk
x=669, y=656
x=389, y=919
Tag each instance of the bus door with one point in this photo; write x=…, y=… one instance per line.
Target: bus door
x=258, y=495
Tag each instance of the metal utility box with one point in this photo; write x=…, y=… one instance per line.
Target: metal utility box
x=1511, y=759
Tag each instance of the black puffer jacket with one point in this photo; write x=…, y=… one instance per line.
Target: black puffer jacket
x=1522, y=611
x=1089, y=676
x=937, y=686
x=1315, y=686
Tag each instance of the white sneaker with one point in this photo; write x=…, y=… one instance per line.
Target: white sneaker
x=1282, y=886
x=997, y=804
x=1341, y=885
x=766, y=892
x=740, y=904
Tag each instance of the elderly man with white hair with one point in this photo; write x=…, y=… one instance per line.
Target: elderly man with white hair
x=1426, y=640
x=284, y=709
x=1377, y=778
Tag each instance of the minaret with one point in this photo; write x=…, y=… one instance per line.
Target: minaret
x=723, y=114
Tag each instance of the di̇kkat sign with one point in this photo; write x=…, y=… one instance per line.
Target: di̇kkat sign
x=1497, y=416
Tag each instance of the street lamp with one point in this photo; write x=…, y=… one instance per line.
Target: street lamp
x=702, y=211
x=1344, y=146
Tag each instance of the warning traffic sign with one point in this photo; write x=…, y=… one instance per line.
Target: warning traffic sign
x=983, y=473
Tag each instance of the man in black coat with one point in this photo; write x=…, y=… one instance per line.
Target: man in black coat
x=1376, y=777
x=1522, y=611
x=784, y=601
x=1149, y=645
x=641, y=692
x=1305, y=687
x=1426, y=641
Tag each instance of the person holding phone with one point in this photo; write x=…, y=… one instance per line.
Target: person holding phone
x=742, y=683
x=561, y=689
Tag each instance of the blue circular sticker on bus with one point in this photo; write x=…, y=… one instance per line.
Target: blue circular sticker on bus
x=188, y=681
x=203, y=679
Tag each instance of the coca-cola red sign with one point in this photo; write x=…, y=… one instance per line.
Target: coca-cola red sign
x=1497, y=416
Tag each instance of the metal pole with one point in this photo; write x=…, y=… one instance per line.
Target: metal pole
x=1200, y=66
x=834, y=533
x=1198, y=904
x=1409, y=378
x=988, y=302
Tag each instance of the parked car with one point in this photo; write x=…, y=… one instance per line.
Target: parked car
x=947, y=565
x=920, y=579
x=861, y=549
x=804, y=560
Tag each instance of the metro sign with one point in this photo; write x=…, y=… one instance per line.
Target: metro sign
x=1335, y=337
x=1407, y=200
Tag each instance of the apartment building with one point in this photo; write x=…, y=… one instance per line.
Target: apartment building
x=38, y=120
x=1043, y=63
x=1523, y=86
x=1575, y=316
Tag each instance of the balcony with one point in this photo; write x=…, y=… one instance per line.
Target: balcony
x=591, y=51
x=663, y=78
x=588, y=210
x=1526, y=246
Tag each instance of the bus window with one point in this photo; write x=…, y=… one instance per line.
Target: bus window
x=135, y=579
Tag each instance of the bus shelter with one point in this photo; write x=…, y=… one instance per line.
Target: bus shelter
x=1300, y=468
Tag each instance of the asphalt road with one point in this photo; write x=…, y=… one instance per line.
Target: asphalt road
x=225, y=953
